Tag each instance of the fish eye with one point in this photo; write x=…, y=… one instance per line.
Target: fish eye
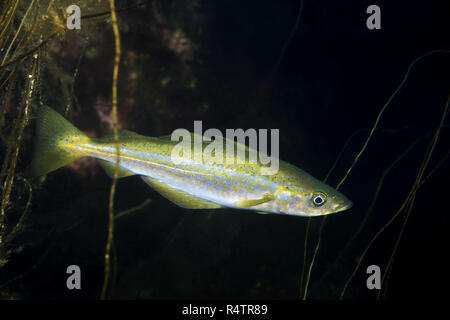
x=319, y=199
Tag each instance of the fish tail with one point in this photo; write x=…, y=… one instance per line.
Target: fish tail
x=53, y=134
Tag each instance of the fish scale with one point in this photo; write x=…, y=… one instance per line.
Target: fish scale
x=190, y=184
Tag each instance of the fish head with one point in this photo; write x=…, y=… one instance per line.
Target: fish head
x=311, y=202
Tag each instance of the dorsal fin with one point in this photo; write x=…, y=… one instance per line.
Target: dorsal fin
x=128, y=133
x=125, y=135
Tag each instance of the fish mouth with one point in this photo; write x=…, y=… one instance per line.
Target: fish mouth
x=342, y=207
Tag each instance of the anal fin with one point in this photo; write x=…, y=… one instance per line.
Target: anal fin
x=181, y=198
x=110, y=167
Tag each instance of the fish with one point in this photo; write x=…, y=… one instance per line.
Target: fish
x=188, y=184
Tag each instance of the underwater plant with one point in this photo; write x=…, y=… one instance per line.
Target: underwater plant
x=27, y=30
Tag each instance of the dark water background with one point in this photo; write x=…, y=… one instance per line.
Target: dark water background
x=333, y=79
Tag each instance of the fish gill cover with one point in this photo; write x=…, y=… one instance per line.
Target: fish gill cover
x=364, y=110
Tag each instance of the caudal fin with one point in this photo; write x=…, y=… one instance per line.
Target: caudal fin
x=53, y=134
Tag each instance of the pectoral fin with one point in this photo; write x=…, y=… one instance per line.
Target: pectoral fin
x=110, y=167
x=251, y=203
x=179, y=197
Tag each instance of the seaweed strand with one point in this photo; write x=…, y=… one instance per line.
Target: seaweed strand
x=409, y=200
x=15, y=140
x=18, y=31
x=116, y=140
x=417, y=185
x=357, y=157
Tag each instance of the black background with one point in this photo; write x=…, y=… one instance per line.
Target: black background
x=332, y=80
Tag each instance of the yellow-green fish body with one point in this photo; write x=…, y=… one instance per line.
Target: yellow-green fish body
x=190, y=184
